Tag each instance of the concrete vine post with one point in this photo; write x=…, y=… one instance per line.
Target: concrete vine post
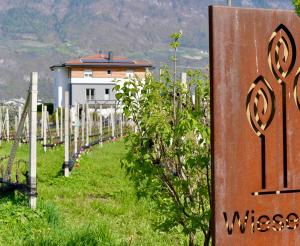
x=7, y=124
x=19, y=113
x=45, y=127
x=48, y=125
x=16, y=123
x=76, y=130
x=91, y=122
x=61, y=123
x=42, y=121
x=82, y=124
x=101, y=126
x=121, y=124
x=32, y=141
x=71, y=119
x=112, y=117
x=57, y=123
x=184, y=81
x=1, y=126
x=27, y=128
x=87, y=124
x=184, y=87
x=135, y=128
x=108, y=121
x=67, y=137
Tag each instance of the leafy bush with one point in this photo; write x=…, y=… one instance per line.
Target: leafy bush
x=297, y=6
x=169, y=154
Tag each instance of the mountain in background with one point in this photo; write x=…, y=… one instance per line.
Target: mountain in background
x=35, y=34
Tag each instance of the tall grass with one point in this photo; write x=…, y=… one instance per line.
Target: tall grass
x=96, y=205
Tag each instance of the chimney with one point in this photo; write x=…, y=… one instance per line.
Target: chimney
x=110, y=56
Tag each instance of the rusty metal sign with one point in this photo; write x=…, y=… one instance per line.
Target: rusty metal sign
x=255, y=89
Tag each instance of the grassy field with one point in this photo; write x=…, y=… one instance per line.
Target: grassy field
x=96, y=205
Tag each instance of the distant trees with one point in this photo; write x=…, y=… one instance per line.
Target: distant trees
x=169, y=155
x=297, y=6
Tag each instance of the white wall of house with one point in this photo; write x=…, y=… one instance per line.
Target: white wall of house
x=96, y=80
x=61, y=84
x=78, y=87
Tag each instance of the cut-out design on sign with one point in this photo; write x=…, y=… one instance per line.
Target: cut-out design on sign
x=260, y=105
x=282, y=53
x=296, y=89
x=261, y=99
x=260, y=113
x=282, y=57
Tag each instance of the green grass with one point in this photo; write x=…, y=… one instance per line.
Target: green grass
x=96, y=205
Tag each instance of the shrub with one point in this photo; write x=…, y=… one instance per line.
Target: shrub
x=169, y=154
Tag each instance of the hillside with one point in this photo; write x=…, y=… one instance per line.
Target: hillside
x=35, y=34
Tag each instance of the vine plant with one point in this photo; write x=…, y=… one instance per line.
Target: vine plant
x=169, y=155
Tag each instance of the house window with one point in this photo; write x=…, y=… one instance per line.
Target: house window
x=109, y=72
x=107, y=94
x=129, y=74
x=88, y=74
x=90, y=94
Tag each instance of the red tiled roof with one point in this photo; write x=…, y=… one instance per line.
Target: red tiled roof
x=102, y=60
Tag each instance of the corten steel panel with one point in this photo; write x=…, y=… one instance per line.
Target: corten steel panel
x=255, y=126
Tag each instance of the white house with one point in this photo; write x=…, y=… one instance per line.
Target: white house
x=92, y=78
